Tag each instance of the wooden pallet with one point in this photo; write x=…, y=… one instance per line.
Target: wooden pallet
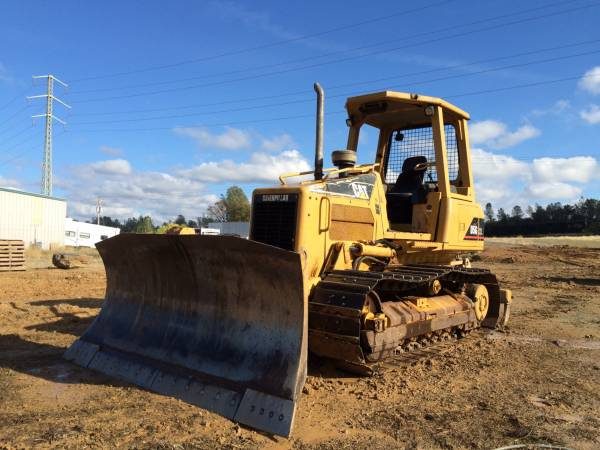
x=12, y=255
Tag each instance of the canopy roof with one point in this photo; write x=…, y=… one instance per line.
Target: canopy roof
x=378, y=109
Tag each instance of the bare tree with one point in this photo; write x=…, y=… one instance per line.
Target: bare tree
x=218, y=211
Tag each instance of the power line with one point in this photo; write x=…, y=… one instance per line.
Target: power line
x=264, y=46
x=18, y=144
x=295, y=69
x=14, y=99
x=312, y=57
x=495, y=69
x=5, y=121
x=17, y=134
x=518, y=86
x=275, y=119
x=464, y=65
x=30, y=149
x=17, y=156
x=335, y=61
x=390, y=77
x=177, y=108
x=240, y=122
x=488, y=160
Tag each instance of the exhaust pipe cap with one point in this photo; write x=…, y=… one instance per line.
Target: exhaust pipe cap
x=343, y=159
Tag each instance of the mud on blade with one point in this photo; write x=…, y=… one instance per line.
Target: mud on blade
x=217, y=321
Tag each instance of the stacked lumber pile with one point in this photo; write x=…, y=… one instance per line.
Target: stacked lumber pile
x=12, y=255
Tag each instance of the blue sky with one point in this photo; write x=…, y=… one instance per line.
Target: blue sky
x=173, y=102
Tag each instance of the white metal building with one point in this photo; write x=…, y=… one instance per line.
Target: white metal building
x=241, y=229
x=32, y=218
x=83, y=234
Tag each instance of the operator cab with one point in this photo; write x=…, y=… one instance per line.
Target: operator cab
x=410, y=170
x=422, y=153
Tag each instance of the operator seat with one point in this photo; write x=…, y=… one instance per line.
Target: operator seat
x=407, y=190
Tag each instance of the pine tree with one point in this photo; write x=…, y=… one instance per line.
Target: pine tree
x=489, y=212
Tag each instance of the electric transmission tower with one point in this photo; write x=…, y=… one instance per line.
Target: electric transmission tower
x=47, y=163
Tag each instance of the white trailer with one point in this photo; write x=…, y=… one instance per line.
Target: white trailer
x=83, y=234
x=210, y=231
x=241, y=229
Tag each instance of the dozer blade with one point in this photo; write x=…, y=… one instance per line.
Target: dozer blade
x=217, y=321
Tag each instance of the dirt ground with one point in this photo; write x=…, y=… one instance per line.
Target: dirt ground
x=549, y=241
x=537, y=383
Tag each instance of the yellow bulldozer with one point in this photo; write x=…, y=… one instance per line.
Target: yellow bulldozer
x=356, y=264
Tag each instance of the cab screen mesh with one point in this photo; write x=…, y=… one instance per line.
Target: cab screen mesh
x=419, y=142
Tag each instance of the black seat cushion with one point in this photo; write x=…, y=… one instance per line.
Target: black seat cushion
x=407, y=190
x=411, y=178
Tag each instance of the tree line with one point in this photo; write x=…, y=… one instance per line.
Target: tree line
x=233, y=206
x=555, y=218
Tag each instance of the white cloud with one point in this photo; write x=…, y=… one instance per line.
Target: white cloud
x=496, y=177
x=162, y=195
x=506, y=181
x=230, y=139
x=229, y=10
x=590, y=81
x=158, y=194
x=553, y=190
x=559, y=107
x=9, y=183
x=492, y=166
x=236, y=139
x=261, y=167
x=111, y=151
x=486, y=130
x=4, y=75
x=112, y=167
x=496, y=135
x=591, y=115
x=277, y=143
x=521, y=134
x=580, y=169
x=129, y=192
x=234, y=13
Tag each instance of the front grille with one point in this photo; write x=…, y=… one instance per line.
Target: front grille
x=274, y=219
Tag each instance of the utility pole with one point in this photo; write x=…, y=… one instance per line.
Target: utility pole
x=99, y=204
x=47, y=163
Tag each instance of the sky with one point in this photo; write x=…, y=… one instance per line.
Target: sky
x=172, y=102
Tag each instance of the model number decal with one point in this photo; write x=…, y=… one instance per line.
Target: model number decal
x=275, y=197
x=475, y=230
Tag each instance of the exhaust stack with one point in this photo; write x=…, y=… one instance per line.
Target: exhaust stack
x=319, y=132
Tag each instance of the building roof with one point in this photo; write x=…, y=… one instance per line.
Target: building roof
x=31, y=194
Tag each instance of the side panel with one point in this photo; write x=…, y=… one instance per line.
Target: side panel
x=464, y=211
x=351, y=223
